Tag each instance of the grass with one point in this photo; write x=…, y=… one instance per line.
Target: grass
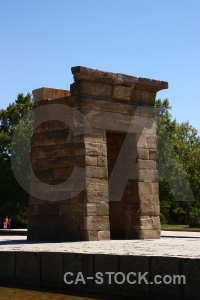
x=178, y=227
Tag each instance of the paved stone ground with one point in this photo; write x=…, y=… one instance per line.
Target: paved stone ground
x=188, y=247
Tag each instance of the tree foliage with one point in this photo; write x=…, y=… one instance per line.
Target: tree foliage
x=178, y=165
x=13, y=199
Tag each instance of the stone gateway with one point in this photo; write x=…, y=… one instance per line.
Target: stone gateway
x=93, y=157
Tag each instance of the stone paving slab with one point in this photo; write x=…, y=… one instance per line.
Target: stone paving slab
x=189, y=234
x=168, y=247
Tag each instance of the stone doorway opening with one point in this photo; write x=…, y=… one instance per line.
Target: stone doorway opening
x=115, y=141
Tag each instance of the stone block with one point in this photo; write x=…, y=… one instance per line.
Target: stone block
x=42, y=127
x=71, y=222
x=51, y=269
x=79, y=184
x=190, y=268
x=57, y=137
x=37, y=153
x=42, y=234
x=103, y=235
x=143, y=153
x=57, y=125
x=142, y=141
x=121, y=92
x=148, y=188
x=44, y=209
x=90, y=235
x=74, y=197
x=34, y=200
x=97, y=135
x=148, y=175
x=111, y=121
x=53, y=151
x=95, y=223
x=72, y=209
x=48, y=222
x=90, y=161
x=97, y=185
x=62, y=162
x=156, y=222
x=44, y=175
x=75, y=263
x=102, y=161
x=7, y=265
x=60, y=187
x=35, y=141
x=147, y=222
x=96, y=172
x=103, y=264
x=83, y=73
x=40, y=164
x=62, y=173
x=165, y=268
x=149, y=199
x=95, y=149
x=91, y=103
x=80, y=160
x=94, y=196
x=153, y=154
x=141, y=97
x=96, y=89
x=152, y=142
x=49, y=93
x=132, y=266
x=66, y=149
x=142, y=223
x=46, y=139
x=72, y=235
x=148, y=209
x=102, y=209
x=33, y=209
x=89, y=209
x=28, y=267
x=80, y=151
x=146, y=164
x=146, y=234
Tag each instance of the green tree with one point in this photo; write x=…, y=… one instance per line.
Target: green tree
x=13, y=199
x=178, y=164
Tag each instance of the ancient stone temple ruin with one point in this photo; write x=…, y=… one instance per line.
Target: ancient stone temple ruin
x=93, y=157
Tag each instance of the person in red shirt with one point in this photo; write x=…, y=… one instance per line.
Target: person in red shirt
x=5, y=223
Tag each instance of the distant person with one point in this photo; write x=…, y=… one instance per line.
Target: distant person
x=9, y=223
x=5, y=223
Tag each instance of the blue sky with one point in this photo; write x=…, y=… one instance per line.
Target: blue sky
x=40, y=40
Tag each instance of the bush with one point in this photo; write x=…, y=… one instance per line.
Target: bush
x=163, y=219
x=194, y=218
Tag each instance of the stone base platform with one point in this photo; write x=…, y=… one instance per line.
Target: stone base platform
x=126, y=268
x=13, y=232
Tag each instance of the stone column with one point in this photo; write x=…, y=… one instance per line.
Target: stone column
x=96, y=222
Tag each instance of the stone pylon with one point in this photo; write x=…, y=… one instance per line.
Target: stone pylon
x=93, y=157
